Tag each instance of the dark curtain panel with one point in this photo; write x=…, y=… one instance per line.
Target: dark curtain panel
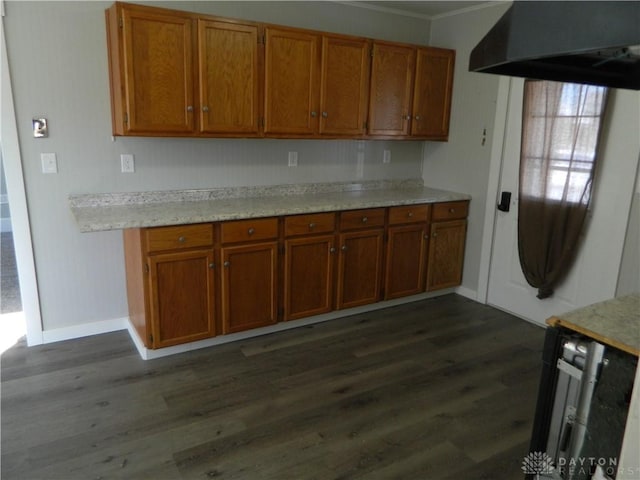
x=560, y=133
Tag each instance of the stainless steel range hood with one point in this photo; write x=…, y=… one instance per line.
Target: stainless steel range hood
x=593, y=42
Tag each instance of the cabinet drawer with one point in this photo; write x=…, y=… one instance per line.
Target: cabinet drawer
x=408, y=214
x=249, y=230
x=308, y=224
x=371, y=217
x=179, y=237
x=450, y=210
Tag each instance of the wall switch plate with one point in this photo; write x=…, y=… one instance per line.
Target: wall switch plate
x=49, y=163
x=126, y=163
x=293, y=159
x=386, y=156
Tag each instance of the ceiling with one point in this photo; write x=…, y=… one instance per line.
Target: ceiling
x=424, y=8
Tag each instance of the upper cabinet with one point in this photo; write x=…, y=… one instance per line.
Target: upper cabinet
x=392, y=72
x=344, y=86
x=151, y=71
x=410, y=91
x=175, y=73
x=432, y=93
x=228, y=77
x=291, y=81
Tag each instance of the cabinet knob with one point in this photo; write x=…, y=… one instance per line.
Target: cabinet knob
x=182, y=239
x=227, y=263
x=332, y=250
x=325, y=114
x=434, y=234
x=314, y=114
x=251, y=231
x=417, y=117
x=406, y=117
x=205, y=108
x=343, y=248
x=365, y=219
x=212, y=265
x=189, y=108
x=312, y=226
x=410, y=214
x=452, y=210
x=426, y=236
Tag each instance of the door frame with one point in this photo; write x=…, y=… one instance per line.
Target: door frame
x=12, y=162
x=495, y=172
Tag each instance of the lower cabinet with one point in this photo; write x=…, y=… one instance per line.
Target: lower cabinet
x=190, y=282
x=446, y=246
x=249, y=274
x=182, y=290
x=360, y=260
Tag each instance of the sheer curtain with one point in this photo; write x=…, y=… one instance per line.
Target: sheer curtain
x=561, y=127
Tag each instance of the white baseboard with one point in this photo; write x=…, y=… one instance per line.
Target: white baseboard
x=84, y=330
x=149, y=354
x=468, y=293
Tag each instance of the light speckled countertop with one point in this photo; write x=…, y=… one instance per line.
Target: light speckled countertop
x=98, y=212
x=614, y=322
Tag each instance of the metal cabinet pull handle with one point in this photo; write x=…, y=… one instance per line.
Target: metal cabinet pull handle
x=189, y=108
x=314, y=114
x=205, y=108
x=332, y=250
x=426, y=237
x=407, y=117
x=410, y=214
x=417, y=117
x=452, y=210
x=182, y=239
x=365, y=219
x=251, y=231
x=325, y=114
x=312, y=226
x=227, y=263
x=212, y=265
x=343, y=248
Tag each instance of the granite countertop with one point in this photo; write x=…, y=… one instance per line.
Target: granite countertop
x=115, y=211
x=614, y=322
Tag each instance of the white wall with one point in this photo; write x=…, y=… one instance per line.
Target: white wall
x=462, y=164
x=58, y=61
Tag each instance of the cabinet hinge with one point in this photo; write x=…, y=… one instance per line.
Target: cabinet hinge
x=121, y=23
x=263, y=40
x=262, y=121
x=126, y=118
x=371, y=53
x=146, y=268
x=151, y=338
x=365, y=125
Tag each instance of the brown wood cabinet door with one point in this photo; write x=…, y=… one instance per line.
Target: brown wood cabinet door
x=182, y=297
x=446, y=254
x=344, y=86
x=229, y=77
x=392, y=72
x=432, y=93
x=359, y=268
x=158, y=72
x=308, y=276
x=405, y=263
x=291, y=81
x=249, y=292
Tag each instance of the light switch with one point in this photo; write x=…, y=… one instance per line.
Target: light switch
x=293, y=159
x=386, y=156
x=49, y=163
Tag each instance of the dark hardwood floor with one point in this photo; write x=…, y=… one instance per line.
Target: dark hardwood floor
x=438, y=389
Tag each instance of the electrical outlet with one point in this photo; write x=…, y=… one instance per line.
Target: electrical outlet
x=49, y=163
x=127, y=164
x=386, y=156
x=293, y=159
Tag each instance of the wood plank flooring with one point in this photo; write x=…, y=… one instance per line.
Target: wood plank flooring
x=437, y=389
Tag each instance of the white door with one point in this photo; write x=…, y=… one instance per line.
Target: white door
x=594, y=274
